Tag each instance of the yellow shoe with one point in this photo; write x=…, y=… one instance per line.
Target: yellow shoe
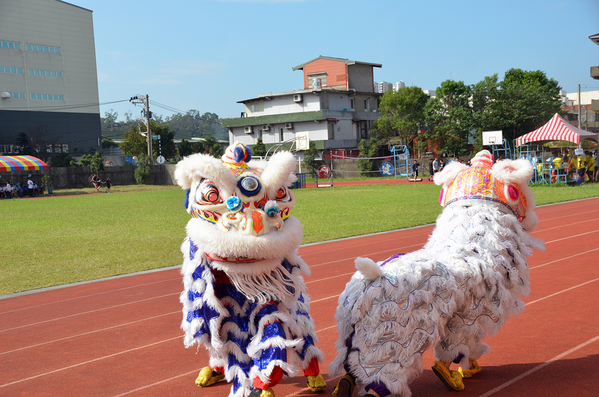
x=451, y=379
x=345, y=386
x=208, y=377
x=256, y=392
x=467, y=373
x=316, y=383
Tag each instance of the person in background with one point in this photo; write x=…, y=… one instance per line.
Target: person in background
x=596, y=156
x=108, y=185
x=8, y=190
x=590, y=167
x=581, y=167
x=415, y=169
x=30, y=187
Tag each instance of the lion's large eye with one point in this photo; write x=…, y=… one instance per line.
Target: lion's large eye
x=282, y=194
x=208, y=193
x=249, y=186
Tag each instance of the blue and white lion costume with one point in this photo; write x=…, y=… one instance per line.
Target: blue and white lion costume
x=465, y=283
x=244, y=295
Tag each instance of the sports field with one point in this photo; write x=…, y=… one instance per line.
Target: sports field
x=63, y=239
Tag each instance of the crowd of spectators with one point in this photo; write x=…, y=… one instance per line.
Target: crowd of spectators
x=581, y=167
x=28, y=189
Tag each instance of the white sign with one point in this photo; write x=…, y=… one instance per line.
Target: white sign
x=160, y=159
x=579, y=152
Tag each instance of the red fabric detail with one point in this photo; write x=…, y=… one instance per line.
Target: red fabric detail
x=275, y=377
x=220, y=370
x=313, y=369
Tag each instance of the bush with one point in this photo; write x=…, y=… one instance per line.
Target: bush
x=142, y=172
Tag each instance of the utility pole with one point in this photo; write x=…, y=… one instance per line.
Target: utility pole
x=145, y=100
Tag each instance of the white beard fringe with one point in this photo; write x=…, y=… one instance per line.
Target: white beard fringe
x=465, y=282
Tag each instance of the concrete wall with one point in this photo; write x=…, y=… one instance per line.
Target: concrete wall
x=78, y=177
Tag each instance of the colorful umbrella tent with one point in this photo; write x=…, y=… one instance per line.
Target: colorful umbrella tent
x=21, y=163
x=556, y=129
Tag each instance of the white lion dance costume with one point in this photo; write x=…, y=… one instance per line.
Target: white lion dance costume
x=465, y=282
x=244, y=296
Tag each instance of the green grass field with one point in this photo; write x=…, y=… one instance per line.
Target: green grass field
x=64, y=239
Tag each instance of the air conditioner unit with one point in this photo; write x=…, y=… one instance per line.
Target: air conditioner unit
x=266, y=127
x=297, y=98
x=288, y=126
x=248, y=129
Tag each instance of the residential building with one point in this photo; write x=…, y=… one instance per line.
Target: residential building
x=589, y=120
x=384, y=86
x=48, y=77
x=335, y=109
x=398, y=85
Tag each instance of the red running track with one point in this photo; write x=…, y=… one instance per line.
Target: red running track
x=121, y=336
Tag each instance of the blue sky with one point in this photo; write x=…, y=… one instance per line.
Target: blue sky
x=208, y=54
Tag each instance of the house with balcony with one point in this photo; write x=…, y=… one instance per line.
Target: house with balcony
x=336, y=108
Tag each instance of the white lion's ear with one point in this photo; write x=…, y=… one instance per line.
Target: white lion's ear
x=513, y=171
x=198, y=166
x=279, y=171
x=448, y=173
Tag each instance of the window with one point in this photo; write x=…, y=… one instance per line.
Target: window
x=47, y=97
x=351, y=103
x=6, y=69
x=312, y=78
x=17, y=95
x=281, y=138
x=331, y=130
x=42, y=48
x=45, y=73
x=10, y=44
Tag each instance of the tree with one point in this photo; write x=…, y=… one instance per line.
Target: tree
x=61, y=160
x=185, y=148
x=22, y=144
x=401, y=112
x=142, y=171
x=94, y=161
x=164, y=144
x=109, y=120
x=259, y=149
x=216, y=150
x=526, y=100
x=367, y=151
x=449, y=118
x=134, y=144
x=310, y=158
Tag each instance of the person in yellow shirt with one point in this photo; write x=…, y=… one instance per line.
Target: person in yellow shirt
x=581, y=166
x=590, y=167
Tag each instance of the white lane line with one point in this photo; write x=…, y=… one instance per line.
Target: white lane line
x=198, y=370
x=38, y=305
x=539, y=367
x=88, y=312
x=561, y=292
x=564, y=259
x=89, y=333
x=158, y=383
x=88, y=362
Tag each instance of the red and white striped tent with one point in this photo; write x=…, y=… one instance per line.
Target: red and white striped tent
x=556, y=129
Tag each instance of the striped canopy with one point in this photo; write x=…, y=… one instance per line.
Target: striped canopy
x=556, y=129
x=21, y=163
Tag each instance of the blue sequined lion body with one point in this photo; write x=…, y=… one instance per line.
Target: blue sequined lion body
x=244, y=296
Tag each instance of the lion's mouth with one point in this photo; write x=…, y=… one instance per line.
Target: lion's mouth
x=232, y=259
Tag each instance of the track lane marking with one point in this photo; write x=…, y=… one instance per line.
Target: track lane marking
x=87, y=362
x=539, y=367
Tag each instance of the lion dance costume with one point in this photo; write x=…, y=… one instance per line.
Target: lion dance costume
x=244, y=296
x=465, y=282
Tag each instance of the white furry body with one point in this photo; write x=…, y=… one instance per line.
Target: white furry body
x=465, y=283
